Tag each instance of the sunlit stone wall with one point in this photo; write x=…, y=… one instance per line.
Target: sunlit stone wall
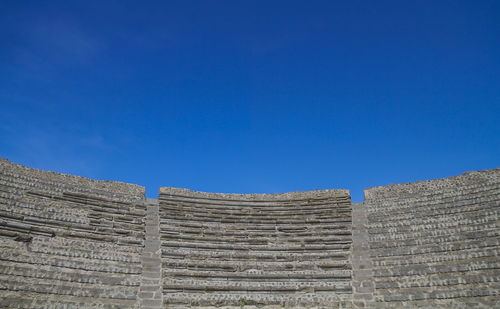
x=72, y=242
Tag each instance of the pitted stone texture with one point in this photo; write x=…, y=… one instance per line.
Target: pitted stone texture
x=283, y=250
x=430, y=187
x=68, y=241
x=297, y=195
x=72, y=242
x=436, y=244
x=362, y=277
x=57, y=182
x=150, y=294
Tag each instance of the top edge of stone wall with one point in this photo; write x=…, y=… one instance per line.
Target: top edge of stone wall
x=295, y=195
x=132, y=190
x=433, y=186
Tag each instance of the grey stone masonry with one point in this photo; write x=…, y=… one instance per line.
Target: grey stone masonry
x=69, y=242
x=150, y=294
x=289, y=250
x=436, y=244
x=362, y=272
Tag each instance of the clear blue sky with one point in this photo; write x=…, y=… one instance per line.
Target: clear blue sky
x=251, y=96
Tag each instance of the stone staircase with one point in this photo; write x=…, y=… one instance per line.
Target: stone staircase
x=231, y=249
x=72, y=242
x=67, y=241
x=436, y=244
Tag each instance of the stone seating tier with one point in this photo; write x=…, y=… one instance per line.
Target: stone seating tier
x=72, y=242
x=264, y=249
x=436, y=243
x=68, y=241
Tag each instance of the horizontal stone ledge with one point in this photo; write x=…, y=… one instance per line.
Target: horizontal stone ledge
x=447, y=248
x=436, y=199
x=309, y=209
x=180, y=193
x=426, y=223
x=255, y=254
x=436, y=294
x=430, y=210
x=264, y=276
x=459, y=255
x=464, y=229
x=66, y=275
x=270, y=247
x=470, y=278
x=47, y=261
x=256, y=289
x=258, y=214
x=271, y=235
x=72, y=290
x=196, y=228
x=168, y=219
x=464, y=267
x=299, y=300
x=329, y=242
x=445, y=239
x=230, y=264
x=16, y=298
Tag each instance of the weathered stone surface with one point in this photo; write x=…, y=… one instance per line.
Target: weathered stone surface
x=71, y=242
x=436, y=244
x=288, y=250
x=68, y=241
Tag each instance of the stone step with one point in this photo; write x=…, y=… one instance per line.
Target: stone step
x=210, y=288
x=231, y=266
x=255, y=228
x=57, y=287
x=487, y=243
x=429, y=190
x=434, y=223
x=470, y=254
x=170, y=218
x=439, y=268
x=452, y=196
x=436, y=210
x=65, y=274
x=270, y=247
x=254, y=218
x=460, y=229
x=433, y=293
x=275, y=256
x=30, y=300
x=445, y=239
x=257, y=275
x=444, y=279
x=238, y=299
x=279, y=232
x=76, y=264
x=270, y=239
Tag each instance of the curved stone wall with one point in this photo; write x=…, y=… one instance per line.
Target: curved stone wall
x=71, y=242
x=288, y=249
x=68, y=241
x=436, y=243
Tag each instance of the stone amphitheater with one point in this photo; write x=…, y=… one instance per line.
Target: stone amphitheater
x=72, y=242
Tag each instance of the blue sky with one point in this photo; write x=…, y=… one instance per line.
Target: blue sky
x=251, y=96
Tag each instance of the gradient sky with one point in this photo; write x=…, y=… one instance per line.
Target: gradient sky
x=251, y=96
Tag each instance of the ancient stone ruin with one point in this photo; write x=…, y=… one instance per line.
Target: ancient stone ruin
x=72, y=242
